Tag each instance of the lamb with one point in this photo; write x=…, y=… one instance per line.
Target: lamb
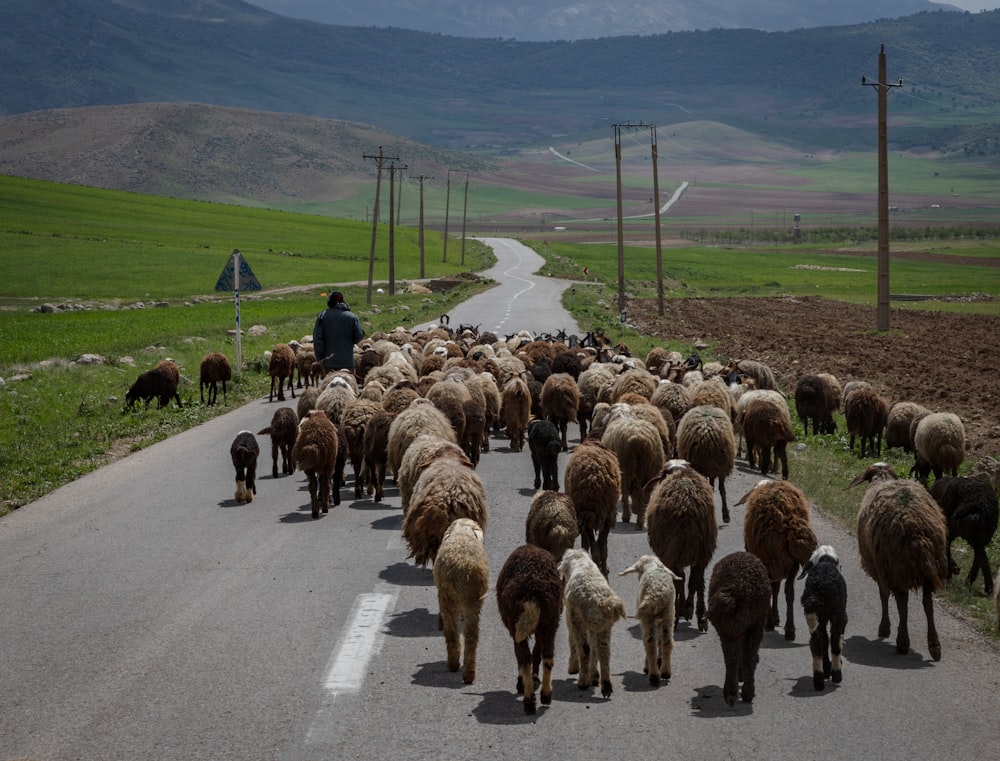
x=516, y=411
x=903, y=540
x=446, y=490
x=939, y=445
x=244, y=451
x=593, y=482
x=545, y=444
x=865, y=413
x=898, y=423
x=315, y=454
x=162, y=382
x=655, y=610
x=816, y=399
x=705, y=439
x=683, y=532
x=280, y=366
x=776, y=529
x=551, y=523
x=738, y=599
x=560, y=399
x=462, y=578
x=284, y=429
x=824, y=601
x=592, y=608
x=640, y=452
x=970, y=510
x=530, y=598
x=214, y=370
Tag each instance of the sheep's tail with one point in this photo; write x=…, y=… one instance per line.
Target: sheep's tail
x=527, y=622
x=264, y=431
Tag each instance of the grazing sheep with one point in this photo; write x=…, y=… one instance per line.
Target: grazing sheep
x=445, y=491
x=280, y=366
x=824, y=602
x=816, y=399
x=560, y=399
x=516, y=411
x=705, y=439
x=420, y=417
x=640, y=451
x=283, y=431
x=315, y=454
x=898, y=424
x=865, y=413
x=162, y=382
x=551, y=523
x=738, y=599
x=593, y=482
x=683, y=532
x=530, y=598
x=767, y=425
x=425, y=449
x=939, y=445
x=462, y=578
x=970, y=510
x=655, y=610
x=776, y=529
x=214, y=370
x=244, y=451
x=903, y=541
x=545, y=445
x=592, y=608
x=763, y=376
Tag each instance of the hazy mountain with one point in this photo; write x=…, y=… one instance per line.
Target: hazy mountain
x=585, y=19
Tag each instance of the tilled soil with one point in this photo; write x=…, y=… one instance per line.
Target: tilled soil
x=946, y=362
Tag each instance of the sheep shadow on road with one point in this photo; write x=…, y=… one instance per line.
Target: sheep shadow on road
x=879, y=653
x=708, y=703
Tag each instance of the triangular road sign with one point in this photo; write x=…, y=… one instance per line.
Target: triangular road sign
x=227, y=280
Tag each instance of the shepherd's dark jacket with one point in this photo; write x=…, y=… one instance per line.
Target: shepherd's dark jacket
x=334, y=336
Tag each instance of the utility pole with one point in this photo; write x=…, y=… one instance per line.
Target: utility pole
x=447, y=209
x=379, y=159
x=420, y=233
x=392, y=228
x=621, y=229
x=882, y=88
x=465, y=209
x=656, y=211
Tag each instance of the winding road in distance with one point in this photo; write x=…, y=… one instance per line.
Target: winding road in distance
x=145, y=615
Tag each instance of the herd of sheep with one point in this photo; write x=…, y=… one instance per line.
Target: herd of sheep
x=656, y=436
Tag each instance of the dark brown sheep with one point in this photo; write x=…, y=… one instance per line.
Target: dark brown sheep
x=283, y=431
x=970, y=509
x=160, y=382
x=816, y=399
x=593, y=482
x=281, y=366
x=244, y=451
x=866, y=413
x=315, y=453
x=215, y=369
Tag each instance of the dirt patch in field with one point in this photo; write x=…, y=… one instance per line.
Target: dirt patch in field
x=946, y=362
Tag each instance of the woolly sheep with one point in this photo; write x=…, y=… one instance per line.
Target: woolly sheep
x=376, y=443
x=715, y=393
x=215, y=369
x=638, y=382
x=445, y=491
x=474, y=435
x=970, y=510
x=487, y=384
x=425, y=449
x=591, y=383
x=683, y=532
x=307, y=401
x=903, y=541
x=767, y=425
x=336, y=397
x=705, y=439
x=593, y=482
x=544, y=444
x=280, y=366
x=671, y=398
x=640, y=452
x=162, y=382
x=420, y=417
x=516, y=411
x=353, y=422
x=560, y=399
x=824, y=602
x=551, y=523
x=315, y=454
x=816, y=399
x=244, y=451
x=283, y=430
x=738, y=598
x=530, y=599
x=592, y=608
x=865, y=413
x=776, y=529
x=898, y=423
x=654, y=606
x=762, y=375
x=939, y=445
x=462, y=578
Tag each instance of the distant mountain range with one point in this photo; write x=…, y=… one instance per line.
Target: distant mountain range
x=587, y=19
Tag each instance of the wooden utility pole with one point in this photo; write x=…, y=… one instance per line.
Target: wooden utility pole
x=465, y=210
x=656, y=211
x=392, y=228
x=420, y=233
x=447, y=209
x=379, y=159
x=621, y=229
x=882, y=88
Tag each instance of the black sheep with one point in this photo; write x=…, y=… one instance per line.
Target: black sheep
x=244, y=451
x=824, y=601
x=160, y=382
x=545, y=443
x=970, y=509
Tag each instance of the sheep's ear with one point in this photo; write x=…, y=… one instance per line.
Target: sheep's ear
x=744, y=498
x=805, y=570
x=630, y=569
x=856, y=481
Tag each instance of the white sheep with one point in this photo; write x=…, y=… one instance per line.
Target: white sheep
x=939, y=445
x=655, y=610
x=592, y=608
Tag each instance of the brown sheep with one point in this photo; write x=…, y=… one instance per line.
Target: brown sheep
x=593, y=482
x=776, y=529
x=516, y=411
x=279, y=367
x=705, y=439
x=898, y=422
x=551, y=522
x=315, y=454
x=353, y=423
x=767, y=425
x=560, y=399
x=284, y=429
x=474, y=434
x=816, y=399
x=420, y=417
x=161, y=382
x=244, y=451
x=865, y=413
x=215, y=369
x=423, y=450
x=376, y=442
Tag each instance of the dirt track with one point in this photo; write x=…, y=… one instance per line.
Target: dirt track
x=946, y=362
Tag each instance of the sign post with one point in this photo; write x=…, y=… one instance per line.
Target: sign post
x=237, y=272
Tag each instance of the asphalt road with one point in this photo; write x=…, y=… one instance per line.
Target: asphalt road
x=145, y=615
